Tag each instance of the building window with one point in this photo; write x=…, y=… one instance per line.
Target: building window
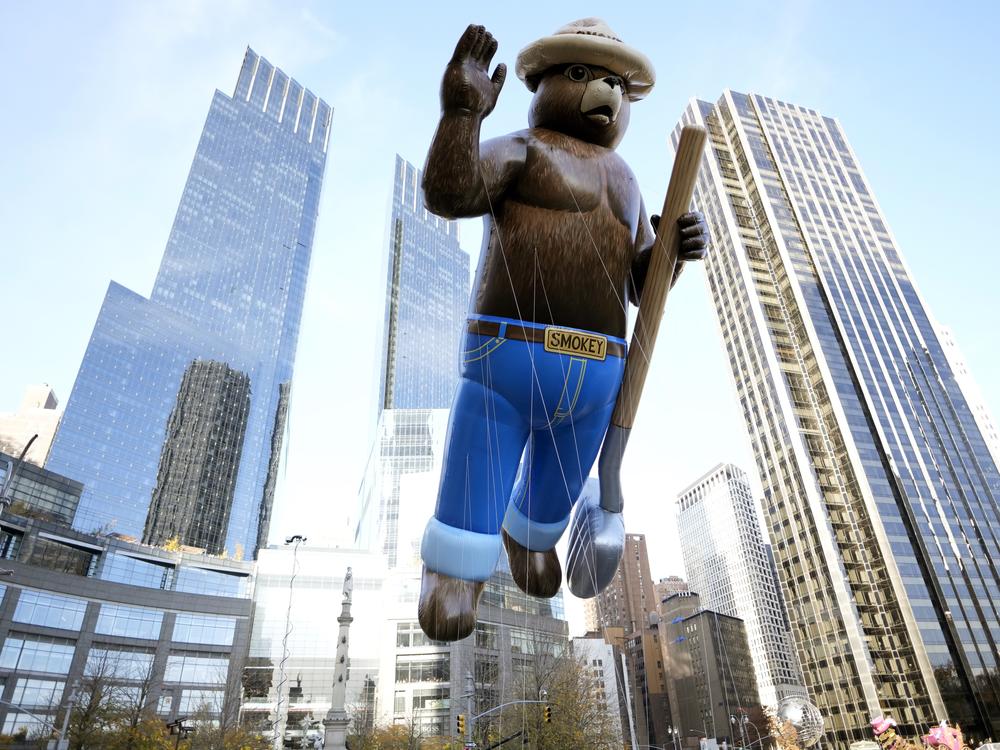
x=122, y=664
x=10, y=543
x=131, y=622
x=410, y=635
x=50, y=610
x=423, y=668
x=486, y=636
x=62, y=558
x=207, y=701
x=530, y=642
x=208, y=629
x=31, y=725
x=29, y=693
x=432, y=698
x=136, y=572
x=24, y=653
x=205, y=669
x=212, y=582
x=487, y=669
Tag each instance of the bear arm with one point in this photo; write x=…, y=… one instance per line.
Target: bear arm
x=644, y=238
x=637, y=278
x=462, y=180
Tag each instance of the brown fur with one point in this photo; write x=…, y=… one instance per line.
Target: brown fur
x=535, y=573
x=562, y=237
x=563, y=216
x=447, y=606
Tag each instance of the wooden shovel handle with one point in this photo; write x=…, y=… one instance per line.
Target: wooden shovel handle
x=660, y=274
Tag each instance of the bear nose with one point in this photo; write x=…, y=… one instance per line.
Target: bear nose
x=613, y=81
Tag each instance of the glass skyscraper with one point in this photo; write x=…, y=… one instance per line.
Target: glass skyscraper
x=215, y=342
x=426, y=301
x=881, y=496
x=727, y=565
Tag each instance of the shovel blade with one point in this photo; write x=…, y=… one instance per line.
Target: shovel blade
x=596, y=541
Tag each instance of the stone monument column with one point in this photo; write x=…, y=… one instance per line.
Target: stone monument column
x=337, y=719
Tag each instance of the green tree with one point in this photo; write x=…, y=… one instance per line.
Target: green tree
x=147, y=733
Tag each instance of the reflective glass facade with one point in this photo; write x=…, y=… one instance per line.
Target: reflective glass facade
x=406, y=455
x=184, y=394
x=881, y=496
x=427, y=296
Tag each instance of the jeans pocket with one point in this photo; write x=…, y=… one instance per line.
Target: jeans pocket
x=572, y=385
x=482, y=351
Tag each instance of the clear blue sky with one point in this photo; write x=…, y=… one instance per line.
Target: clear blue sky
x=103, y=104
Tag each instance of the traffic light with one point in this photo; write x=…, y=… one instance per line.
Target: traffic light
x=547, y=714
x=460, y=725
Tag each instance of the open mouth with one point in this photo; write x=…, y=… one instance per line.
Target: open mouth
x=602, y=115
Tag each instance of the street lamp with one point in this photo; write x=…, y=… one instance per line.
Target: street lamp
x=277, y=739
x=674, y=736
x=748, y=723
x=695, y=733
x=12, y=469
x=179, y=729
x=742, y=721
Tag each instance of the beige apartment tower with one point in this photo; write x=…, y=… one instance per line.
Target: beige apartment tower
x=880, y=493
x=39, y=414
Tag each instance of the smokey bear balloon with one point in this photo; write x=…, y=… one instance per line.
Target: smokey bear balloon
x=566, y=246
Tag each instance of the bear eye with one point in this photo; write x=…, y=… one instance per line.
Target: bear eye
x=578, y=73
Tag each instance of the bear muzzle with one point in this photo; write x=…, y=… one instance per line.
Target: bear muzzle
x=602, y=100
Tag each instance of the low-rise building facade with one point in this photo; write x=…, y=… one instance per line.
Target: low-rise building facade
x=168, y=630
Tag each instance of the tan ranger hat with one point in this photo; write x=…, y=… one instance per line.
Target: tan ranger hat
x=589, y=41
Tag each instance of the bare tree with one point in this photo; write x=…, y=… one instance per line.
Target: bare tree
x=93, y=713
x=114, y=697
x=217, y=722
x=580, y=713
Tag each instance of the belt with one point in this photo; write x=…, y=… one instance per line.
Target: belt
x=535, y=335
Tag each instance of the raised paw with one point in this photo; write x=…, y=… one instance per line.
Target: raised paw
x=468, y=85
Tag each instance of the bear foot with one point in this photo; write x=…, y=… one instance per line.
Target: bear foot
x=447, y=607
x=535, y=573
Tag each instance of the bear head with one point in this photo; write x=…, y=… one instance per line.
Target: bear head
x=587, y=102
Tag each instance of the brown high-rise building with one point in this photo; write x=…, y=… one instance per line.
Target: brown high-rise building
x=625, y=612
x=711, y=685
x=668, y=587
x=630, y=597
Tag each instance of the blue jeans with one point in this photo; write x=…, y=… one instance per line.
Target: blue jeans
x=517, y=400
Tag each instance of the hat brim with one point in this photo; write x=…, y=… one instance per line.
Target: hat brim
x=560, y=49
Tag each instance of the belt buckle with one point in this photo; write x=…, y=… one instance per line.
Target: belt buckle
x=576, y=343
